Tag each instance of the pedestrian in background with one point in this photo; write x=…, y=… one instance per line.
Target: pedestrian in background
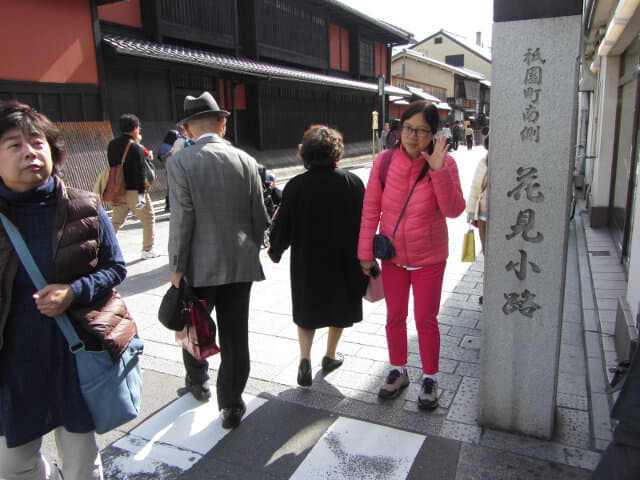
x=216, y=228
x=72, y=242
x=164, y=152
x=457, y=134
x=446, y=132
x=320, y=219
x=182, y=141
x=421, y=242
x=478, y=200
x=136, y=200
x=393, y=137
x=382, y=137
x=468, y=133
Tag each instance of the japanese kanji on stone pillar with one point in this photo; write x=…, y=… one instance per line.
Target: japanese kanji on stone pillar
x=535, y=49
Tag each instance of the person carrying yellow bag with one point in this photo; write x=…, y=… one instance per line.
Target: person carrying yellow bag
x=478, y=201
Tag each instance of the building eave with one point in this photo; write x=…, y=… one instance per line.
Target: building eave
x=203, y=58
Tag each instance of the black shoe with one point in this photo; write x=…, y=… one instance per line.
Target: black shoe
x=304, y=373
x=231, y=417
x=330, y=364
x=200, y=391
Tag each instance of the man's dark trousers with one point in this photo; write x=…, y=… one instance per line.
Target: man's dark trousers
x=231, y=302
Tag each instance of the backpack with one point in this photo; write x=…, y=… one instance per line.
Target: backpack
x=385, y=161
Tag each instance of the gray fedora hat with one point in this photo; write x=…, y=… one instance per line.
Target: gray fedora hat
x=196, y=106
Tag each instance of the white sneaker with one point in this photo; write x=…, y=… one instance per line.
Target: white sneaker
x=147, y=254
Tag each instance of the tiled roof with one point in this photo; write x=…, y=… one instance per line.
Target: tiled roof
x=203, y=58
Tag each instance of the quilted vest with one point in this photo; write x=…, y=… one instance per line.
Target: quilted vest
x=76, y=239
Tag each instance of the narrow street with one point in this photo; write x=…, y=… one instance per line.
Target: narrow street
x=338, y=428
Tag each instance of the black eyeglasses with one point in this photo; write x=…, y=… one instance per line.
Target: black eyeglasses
x=420, y=132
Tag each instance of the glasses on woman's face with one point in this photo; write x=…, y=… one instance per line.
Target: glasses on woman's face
x=420, y=132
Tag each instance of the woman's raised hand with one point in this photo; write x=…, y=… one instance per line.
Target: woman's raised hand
x=440, y=149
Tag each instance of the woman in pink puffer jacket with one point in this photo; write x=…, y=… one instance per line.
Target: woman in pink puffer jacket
x=421, y=242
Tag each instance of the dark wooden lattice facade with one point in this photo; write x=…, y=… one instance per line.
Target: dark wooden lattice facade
x=277, y=65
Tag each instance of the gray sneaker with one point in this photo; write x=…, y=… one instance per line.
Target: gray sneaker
x=428, y=396
x=394, y=384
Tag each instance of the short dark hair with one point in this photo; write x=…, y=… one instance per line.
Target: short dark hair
x=14, y=114
x=128, y=122
x=429, y=112
x=321, y=146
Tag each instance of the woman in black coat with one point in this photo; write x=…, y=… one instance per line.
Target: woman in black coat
x=320, y=219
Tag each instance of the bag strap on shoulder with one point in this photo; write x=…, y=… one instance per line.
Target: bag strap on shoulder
x=75, y=344
x=422, y=174
x=126, y=150
x=385, y=161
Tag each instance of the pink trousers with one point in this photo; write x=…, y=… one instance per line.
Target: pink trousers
x=426, y=283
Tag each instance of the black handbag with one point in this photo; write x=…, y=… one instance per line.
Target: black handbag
x=174, y=311
x=382, y=246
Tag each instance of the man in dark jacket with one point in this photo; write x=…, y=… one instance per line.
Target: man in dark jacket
x=136, y=200
x=457, y=134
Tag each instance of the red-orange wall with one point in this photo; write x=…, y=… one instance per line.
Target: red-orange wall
x=125, y=13
x=45, y=41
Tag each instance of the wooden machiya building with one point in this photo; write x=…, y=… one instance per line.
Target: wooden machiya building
x=277, y=65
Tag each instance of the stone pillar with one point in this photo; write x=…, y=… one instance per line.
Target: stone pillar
x=535, y=49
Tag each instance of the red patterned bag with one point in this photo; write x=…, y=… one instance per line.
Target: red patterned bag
x=198, y=337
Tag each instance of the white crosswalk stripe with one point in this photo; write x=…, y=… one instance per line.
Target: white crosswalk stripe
x=178, y=436
x=356, y=450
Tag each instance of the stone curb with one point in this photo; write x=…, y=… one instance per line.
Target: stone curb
x=601, y=425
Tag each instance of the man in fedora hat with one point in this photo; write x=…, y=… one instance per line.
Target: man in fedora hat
x=215, y=232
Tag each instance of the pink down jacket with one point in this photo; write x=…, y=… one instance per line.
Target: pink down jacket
x=422, y=237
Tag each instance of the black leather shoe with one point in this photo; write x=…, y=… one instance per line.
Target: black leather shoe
x=304, y=373
x=231, y=417
x=330, y=364
x=200, y=392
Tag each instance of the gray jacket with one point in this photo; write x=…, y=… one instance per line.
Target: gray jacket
x=218, y=217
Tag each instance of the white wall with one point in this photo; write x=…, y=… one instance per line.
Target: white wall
x=633, y=291
x=606, y=112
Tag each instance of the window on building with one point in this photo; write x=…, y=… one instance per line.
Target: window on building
x=454, y=60
x=367, y=58
x=381, y=59
x=437, y=40
x=339, y=48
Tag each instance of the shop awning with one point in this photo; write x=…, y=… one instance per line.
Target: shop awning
x=203, y=58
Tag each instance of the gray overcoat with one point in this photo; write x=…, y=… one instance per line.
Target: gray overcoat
x=218, y=217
